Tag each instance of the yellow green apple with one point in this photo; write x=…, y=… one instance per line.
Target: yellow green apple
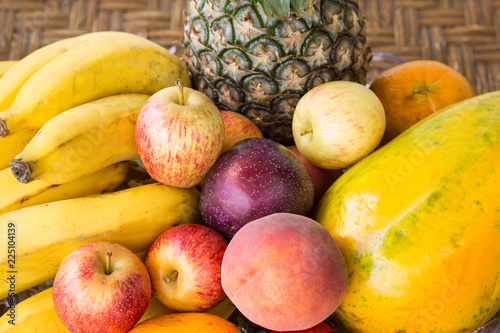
x=338, y=123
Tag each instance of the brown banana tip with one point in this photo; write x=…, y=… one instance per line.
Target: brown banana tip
x=3, y=129
x=21, y=170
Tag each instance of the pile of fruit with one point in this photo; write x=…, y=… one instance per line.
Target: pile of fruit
x=258, y=173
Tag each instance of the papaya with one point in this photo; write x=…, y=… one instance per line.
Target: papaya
x=418, y=223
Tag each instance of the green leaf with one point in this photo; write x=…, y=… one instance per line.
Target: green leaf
x=298, y=6
x=278, y=8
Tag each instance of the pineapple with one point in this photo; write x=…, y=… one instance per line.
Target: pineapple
x=259, y=59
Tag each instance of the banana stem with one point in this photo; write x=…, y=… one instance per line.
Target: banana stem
x=21, y=171
x=171, y=277
x=307, y=131
x=3, y=129
x=107, y=269
x=181, y=91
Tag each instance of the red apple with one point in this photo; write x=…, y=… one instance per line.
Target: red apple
x=320, y=328
x=237, y=128
x=185, y=267
x=284, y=272
x=179, y=135
x=322, y=178
x=101, y=287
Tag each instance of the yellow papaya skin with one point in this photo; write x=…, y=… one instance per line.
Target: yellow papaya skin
x=418, y=222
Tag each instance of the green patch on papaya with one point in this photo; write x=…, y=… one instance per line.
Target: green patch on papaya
x=364, y=264
x=497, y=219
x=455, y=241
x=396, y=241
x=433, y=197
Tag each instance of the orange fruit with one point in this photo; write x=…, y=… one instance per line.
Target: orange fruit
x=413, y=90
x=187, y=322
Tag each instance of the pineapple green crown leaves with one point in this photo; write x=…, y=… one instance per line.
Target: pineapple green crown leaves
x=281, y=8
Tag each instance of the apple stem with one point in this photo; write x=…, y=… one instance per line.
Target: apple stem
x=181, y=91
x=172, y=277
x=108, y=263
x=307, y=131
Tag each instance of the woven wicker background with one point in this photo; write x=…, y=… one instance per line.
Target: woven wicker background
x=462, y=33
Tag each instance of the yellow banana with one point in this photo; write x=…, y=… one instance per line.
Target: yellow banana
x=5, y=65
x=11, y=82
x=81, y=141
x=37, y=314
x=15, y=195
x=13, y=144
x=42, y=236
x=88, y=72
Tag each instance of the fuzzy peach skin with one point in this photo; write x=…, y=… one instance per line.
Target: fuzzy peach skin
x=284, y=272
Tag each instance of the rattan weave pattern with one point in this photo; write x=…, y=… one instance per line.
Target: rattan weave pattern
x=464, y=34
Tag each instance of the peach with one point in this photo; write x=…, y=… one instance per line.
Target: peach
x=284, y=272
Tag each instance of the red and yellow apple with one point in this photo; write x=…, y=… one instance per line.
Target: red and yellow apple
x=237, y=128
x=184, y=263
x=179, y=135
x=284, y=272
x=101, y=287
x=338, y=123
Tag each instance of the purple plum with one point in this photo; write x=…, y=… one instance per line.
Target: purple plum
x=255, y=178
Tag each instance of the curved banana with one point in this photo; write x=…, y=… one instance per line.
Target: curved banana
x=11, y=82
x=5, y=65
x=15, y=195
x=43, y=235
x=13, y=144
x=37, y=314
x=81, y=141
x=88, y=72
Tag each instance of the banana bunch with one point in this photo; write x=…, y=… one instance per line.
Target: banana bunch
x=81, y=141
x=67, y=139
